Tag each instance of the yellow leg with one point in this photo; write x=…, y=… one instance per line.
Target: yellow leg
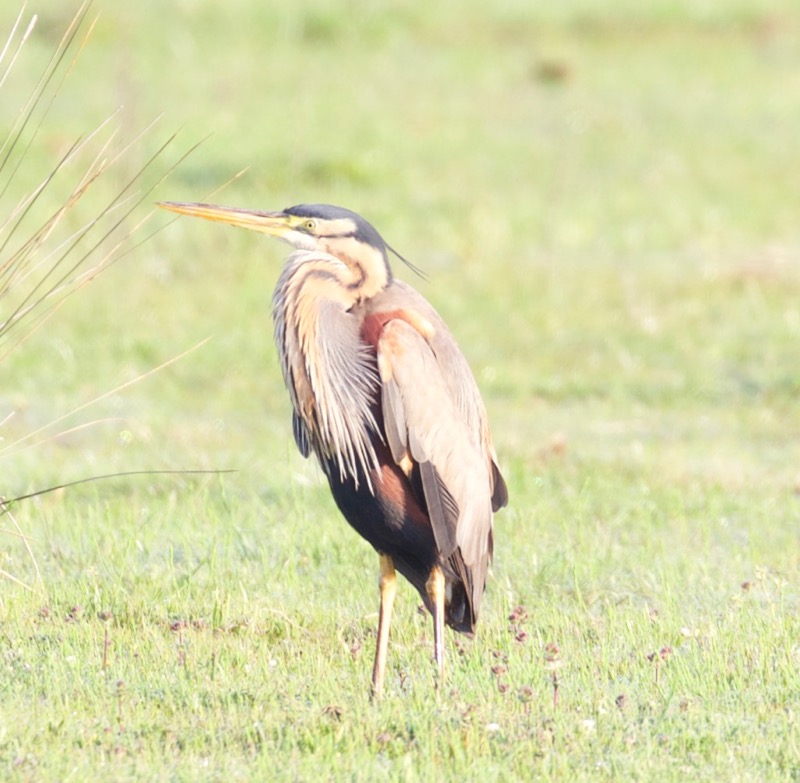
x=388, y=587
x=435, y=587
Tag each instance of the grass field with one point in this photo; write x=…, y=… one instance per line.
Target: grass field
x=606, y=202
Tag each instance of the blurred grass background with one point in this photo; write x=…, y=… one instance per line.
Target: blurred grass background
x=606, y=201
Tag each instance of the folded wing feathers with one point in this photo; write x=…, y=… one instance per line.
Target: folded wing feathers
x=442, y=508
x=394, y=420
x=422, y=417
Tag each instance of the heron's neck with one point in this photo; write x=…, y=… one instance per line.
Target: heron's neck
x=329, y=372
x=368, y=271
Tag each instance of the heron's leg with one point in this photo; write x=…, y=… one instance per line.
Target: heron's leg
x=436, y=590
x=388, y=587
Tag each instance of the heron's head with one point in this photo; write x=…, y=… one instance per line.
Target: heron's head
x=333, y=230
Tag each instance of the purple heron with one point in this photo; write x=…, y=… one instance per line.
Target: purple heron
x=384, y=398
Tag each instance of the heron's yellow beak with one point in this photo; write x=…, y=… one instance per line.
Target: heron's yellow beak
x=276, y=224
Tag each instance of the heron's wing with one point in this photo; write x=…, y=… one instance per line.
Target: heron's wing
x=426, y=426
x=457, y=375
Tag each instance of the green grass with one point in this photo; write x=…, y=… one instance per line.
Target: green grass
x=606, y=202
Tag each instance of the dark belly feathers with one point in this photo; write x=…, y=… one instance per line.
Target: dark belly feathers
x=395, y=522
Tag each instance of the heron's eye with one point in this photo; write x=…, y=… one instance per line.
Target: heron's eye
x=310, y=224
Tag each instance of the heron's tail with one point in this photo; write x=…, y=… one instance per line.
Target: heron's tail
x=458, y=611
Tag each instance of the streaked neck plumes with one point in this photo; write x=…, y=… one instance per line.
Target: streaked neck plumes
x=329, y=372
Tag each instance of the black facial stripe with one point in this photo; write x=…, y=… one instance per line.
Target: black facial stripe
x=335, y=236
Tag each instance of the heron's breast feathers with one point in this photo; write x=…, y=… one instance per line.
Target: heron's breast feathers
x=329, y=371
